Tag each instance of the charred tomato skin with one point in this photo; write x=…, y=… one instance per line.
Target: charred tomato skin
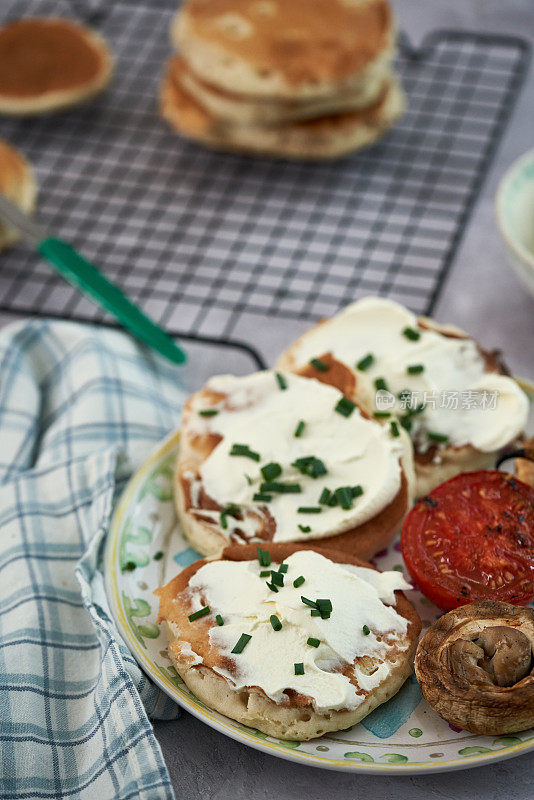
x=472, y=538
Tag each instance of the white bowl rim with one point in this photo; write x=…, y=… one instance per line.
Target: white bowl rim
x=516, y=246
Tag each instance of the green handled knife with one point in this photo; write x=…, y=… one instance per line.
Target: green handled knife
x=86, y=277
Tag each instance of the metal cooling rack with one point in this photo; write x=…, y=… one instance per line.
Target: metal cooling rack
x=214, y=246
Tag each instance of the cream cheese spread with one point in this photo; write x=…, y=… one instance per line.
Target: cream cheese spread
x=349, y=451
x=357, y=638
x=464, y=404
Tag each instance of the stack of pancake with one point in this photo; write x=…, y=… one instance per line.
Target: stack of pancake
x=308, y=79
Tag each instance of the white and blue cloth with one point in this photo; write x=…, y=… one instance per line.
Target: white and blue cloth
x=79, y=408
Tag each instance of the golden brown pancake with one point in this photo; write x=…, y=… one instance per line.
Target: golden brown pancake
x=50, y=63
x=284, y=48
x=17, y=183
x=324, y=137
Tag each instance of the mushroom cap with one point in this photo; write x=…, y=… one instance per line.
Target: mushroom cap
x=475, y=667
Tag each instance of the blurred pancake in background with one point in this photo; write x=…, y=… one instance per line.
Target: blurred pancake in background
x=18, y=184
x=50, y=63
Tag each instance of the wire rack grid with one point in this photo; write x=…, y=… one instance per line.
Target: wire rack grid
x=207, y=242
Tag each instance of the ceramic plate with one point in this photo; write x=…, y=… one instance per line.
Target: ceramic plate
x=146, y=548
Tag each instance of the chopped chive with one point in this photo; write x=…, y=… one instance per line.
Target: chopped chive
x=313, y=642
x=264, y=557
x=309, y=509
x=208, y=412
x=345, y=407
x=356, y=491
x=283, y=568
x=308, y=602
x=381, y=414
x=242, y=642
x=271, y=471
x=277, y=578
x=315, y=612
x=282, y=383
x=415, y=369
x=262, y=497
x=299, y=430
x=299, y=668
x=223, y=520
x=319, y=365
x=344, y=497
x=310, y=465
x=333, y=500
x=231, y=510
x=325, y=496
x=437, y=437
x=304, y=528
x=249, y=479
x=406, y=422
x=394, y=428
x=197, y=614
x=244, y=450
x=265, y=573
x=365, y=362
x=280, y=488
x=324, y=604
x=299, y=581
x=272, y=587
x=381, y=385
x=275, y=622
x=411, y=334
x=405, y=395
x=129, y=566
x=219, y=620
x=158, y=556
x=366, y=630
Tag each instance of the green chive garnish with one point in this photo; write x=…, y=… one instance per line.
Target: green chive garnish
x=319, y=365
x=366, y=630
x=309, y=509
x=275, y=622
x=208, y=412
x=381, y=414
x=158, y=556
x=299, y=668
x=299, y=581
x=313, y=642
x=324, y=605
x=299, y=430
x=310, y=465
x=264, y=557
x=411, y=334
x=277, y=578
x=282, y=383
x=304, y=528
x=265, y=573
x=437, y=437
x=325, y=496
x=231, y=510
x=365, y=362
x=315, y=612
x=271, y=471
x=356, y=491
x=272, y=587
x=219, y=620
x=283, y=568
x=244, y=450
x=129, y=566
x=415, y=369
x=394, y=428
x=242, y=642
x=201, y=613
x=344, y=497
x=249, y=479
x=308, y=602
x=261, y=497
x=280, y=488
x=345, y=407
x=381, y=385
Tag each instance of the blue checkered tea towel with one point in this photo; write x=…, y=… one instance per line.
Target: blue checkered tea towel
x=79, y=408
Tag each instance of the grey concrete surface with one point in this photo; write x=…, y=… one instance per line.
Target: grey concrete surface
x=483, y=296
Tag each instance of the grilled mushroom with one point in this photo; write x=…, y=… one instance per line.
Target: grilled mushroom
x=476, y=669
